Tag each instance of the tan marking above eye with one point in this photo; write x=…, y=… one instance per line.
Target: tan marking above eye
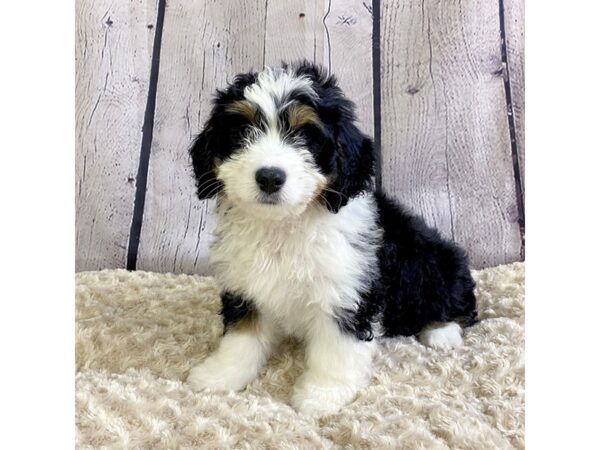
x=244, y=108
x=300, y=115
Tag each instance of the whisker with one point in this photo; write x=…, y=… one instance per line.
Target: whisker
x=207, y=182
x=335, y=192
x=214, y=191
x=204, y=174
x=215, y=184
x=326, y=201
x=206, y=189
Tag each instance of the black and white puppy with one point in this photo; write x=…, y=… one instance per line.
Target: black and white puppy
x=305, y=247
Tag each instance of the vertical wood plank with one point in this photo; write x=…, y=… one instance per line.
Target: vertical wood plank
x=294, y=31
x=514, y=22
x=445, y=140
x=350, y=27
x=112, y=56
x=413, y=124
x=204, y=44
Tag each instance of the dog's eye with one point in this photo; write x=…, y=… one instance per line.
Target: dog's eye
x=239, y=132
x=310, y=132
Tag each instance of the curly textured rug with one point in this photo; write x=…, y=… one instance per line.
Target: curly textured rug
x=138, y=334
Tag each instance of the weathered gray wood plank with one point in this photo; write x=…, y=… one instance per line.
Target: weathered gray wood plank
x=514, y=22
x=445, y=140
x=112, y=53
x=204, y=44
x=350, y=26
x=294, y=31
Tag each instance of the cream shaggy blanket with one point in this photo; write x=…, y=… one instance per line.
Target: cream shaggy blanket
x=139, y=333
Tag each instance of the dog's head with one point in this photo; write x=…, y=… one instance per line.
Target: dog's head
x=278, y=140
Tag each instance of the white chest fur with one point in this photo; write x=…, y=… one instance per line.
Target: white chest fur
x=294, y=269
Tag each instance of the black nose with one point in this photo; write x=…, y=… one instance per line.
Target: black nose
x=270, y=179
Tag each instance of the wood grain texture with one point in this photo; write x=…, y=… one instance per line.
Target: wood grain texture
x=294, y=31
x=204, y=44
x=350, y=27
x=445, y=140
x=112, y=54
x=514, y=23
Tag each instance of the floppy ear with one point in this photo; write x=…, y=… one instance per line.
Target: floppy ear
x=352, y=160
x=353, y=166
x=214, y=143
x=203, y=153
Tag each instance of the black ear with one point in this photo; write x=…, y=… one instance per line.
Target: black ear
x=353, y=166
x=215, y=142
x=203, y=153
x=353, y=156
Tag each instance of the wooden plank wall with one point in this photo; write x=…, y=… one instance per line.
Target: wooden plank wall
x=446, y=149
x=433, y=81
x=113, y=49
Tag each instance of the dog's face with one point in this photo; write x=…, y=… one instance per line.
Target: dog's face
x=280, y=140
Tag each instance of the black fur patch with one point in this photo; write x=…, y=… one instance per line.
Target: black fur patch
x=423, y=278
x=360, y=323
x=235, y=308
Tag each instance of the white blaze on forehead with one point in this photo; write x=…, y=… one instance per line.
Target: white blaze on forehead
x=271, y=89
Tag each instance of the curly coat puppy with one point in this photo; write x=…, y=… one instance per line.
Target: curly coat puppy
x=306, y=247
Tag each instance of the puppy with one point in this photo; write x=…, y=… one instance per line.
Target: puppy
x=306, y=247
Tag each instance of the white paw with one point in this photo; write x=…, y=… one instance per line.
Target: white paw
x=315, y=399
x=442, y=336
x=211, y=374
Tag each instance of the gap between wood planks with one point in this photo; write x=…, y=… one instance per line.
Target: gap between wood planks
x=512, y=130
x=147, y=130
x=376, y=58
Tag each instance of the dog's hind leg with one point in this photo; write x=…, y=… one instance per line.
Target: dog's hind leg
x=442, y=335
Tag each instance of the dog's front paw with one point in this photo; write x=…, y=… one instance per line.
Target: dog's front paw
x=213, y=375
x=316, y=399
